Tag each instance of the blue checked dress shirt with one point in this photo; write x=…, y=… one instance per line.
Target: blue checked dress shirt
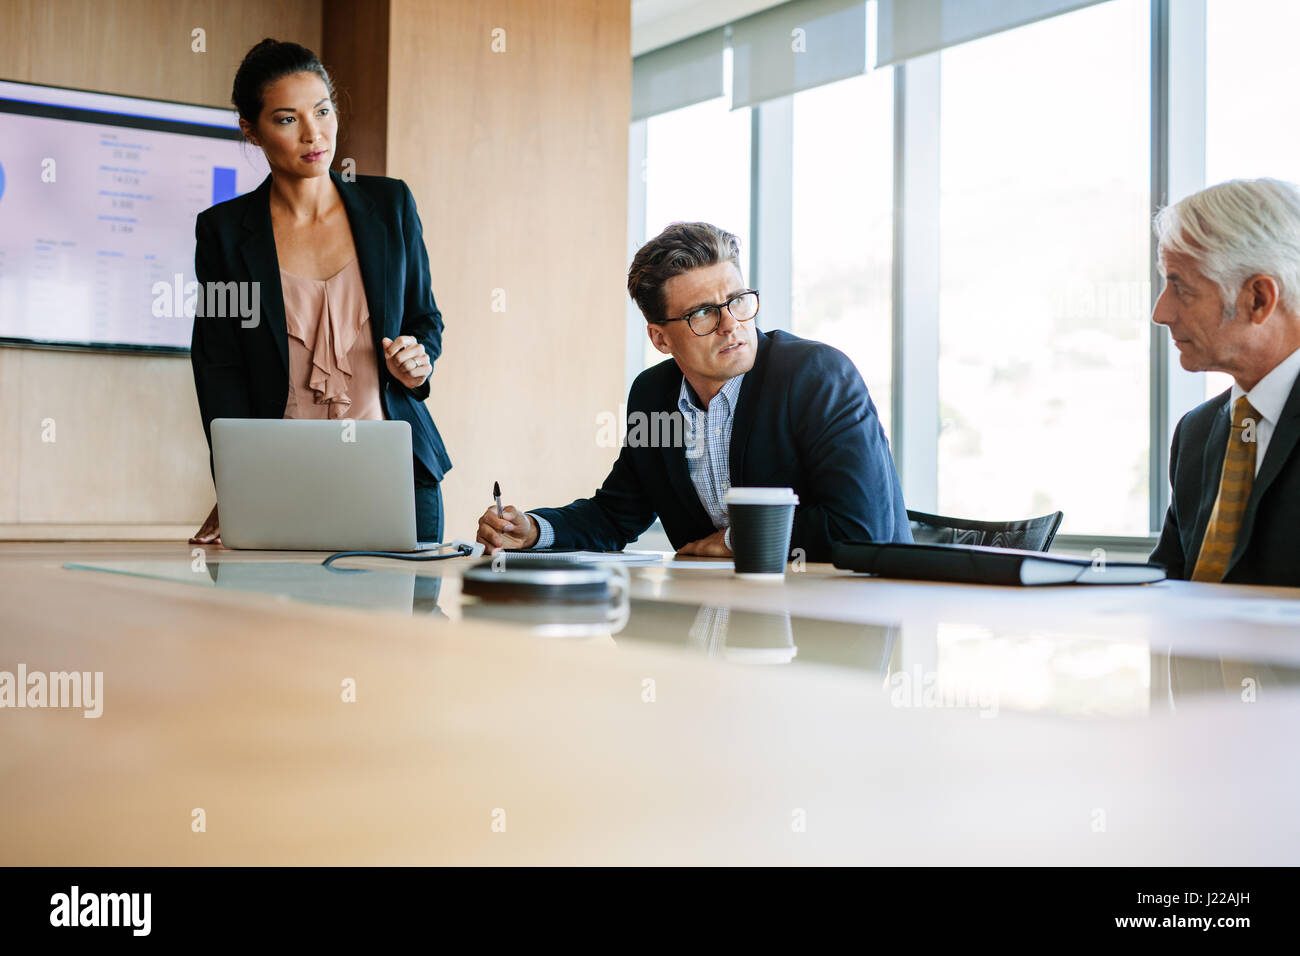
x=708, y=447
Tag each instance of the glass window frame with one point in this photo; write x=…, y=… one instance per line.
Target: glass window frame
x=1177, y=169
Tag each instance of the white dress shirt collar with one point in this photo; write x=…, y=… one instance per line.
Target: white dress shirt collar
x=1270, y=394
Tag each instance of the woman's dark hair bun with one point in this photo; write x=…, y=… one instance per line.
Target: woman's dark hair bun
x=267, y=62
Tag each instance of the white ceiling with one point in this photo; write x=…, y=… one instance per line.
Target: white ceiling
x=656, y=23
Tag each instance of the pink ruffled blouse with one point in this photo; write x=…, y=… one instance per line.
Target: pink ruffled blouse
x=333, y=367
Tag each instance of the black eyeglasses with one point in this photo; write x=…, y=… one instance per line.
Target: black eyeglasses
x=705, y=320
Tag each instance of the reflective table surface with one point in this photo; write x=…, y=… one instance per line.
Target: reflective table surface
x=913, y=659
x=381, y=712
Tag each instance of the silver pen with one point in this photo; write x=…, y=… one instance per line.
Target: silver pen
x=496, y=495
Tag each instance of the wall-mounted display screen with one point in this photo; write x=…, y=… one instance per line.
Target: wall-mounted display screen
x=98, y=195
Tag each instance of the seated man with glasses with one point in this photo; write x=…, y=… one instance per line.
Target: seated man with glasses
x=733, y=406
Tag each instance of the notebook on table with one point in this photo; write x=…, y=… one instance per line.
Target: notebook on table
x=972, y=564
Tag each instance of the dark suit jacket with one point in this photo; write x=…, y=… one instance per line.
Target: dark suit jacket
x=1267, y=550
x=803, y=420
x=244, y=372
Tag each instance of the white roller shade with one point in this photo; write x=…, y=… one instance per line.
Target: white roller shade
x=910, y=28
x=677, y=75
x=796, y=46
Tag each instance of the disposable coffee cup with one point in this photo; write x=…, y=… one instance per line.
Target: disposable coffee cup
x=761, y=519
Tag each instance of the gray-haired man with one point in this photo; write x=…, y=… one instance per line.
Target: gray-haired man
x=1231, y=260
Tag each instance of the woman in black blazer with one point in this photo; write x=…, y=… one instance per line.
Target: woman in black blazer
x=311, y=223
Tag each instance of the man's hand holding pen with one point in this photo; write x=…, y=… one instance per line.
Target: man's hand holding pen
x=505, y=527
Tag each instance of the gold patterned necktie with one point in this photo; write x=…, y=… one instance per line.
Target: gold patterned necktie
x=1234, y=491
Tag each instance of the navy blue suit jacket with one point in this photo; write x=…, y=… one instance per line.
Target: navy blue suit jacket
x=244, y=372
x=803, y=420
x=1266, y=551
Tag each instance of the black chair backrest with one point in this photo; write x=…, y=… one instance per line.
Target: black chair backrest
x=1031, y=534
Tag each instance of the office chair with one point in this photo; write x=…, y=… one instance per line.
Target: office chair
x=1031, y=534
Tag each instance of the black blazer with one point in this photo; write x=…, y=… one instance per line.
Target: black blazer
x=1267, y=550
x=244, y=372
x=803, y=420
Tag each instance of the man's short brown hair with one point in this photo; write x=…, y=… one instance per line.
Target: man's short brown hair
x=681, y=247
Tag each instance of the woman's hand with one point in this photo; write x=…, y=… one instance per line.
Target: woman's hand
x=210, y=533
x=407, y=361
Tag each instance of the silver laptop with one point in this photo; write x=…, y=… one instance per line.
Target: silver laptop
x=293, y=485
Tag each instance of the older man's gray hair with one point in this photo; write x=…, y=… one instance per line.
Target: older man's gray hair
x=1238, y=229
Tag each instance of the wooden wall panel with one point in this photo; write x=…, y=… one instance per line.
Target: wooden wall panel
x=11, y=371
x=518, y=161
x=355, y=51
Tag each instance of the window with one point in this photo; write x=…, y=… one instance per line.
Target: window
x=1249, y=127
x=842, y=224
x=1037, y=226
x=1044, y=323
x=1252, y=81
x=697, y=169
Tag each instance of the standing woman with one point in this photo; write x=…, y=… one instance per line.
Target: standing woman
x=347, y=327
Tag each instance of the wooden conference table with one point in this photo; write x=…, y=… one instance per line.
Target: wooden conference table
x=831, y=719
